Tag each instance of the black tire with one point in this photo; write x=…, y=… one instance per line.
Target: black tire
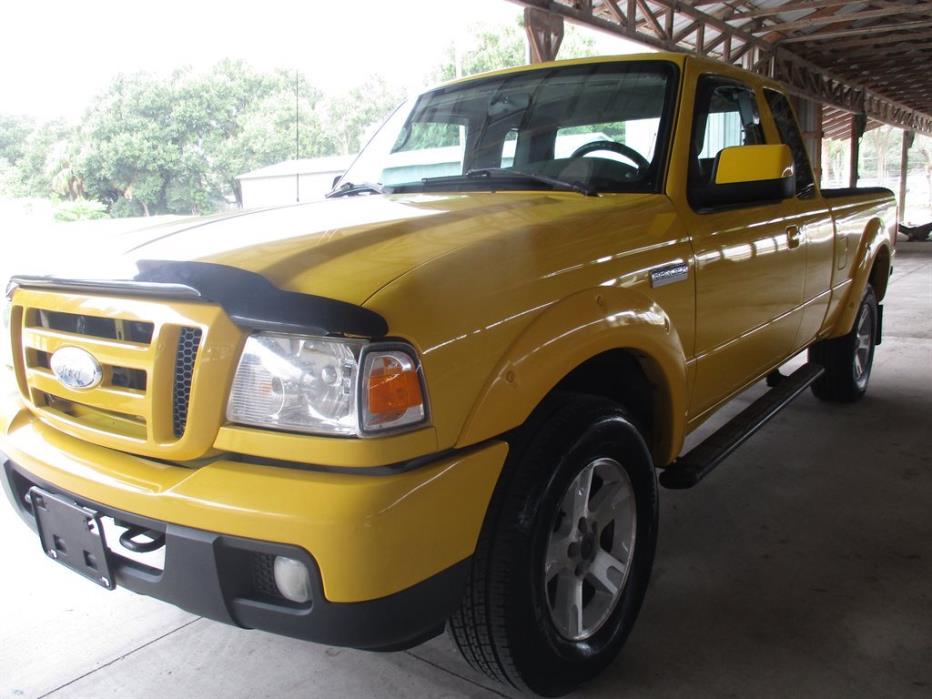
x=504, y=626
x=847, y=372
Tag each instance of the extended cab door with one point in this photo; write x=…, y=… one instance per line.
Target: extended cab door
x=750, y=260
x=810, y=213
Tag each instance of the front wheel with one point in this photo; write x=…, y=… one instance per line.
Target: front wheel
x=565, y=553
x=848, y=360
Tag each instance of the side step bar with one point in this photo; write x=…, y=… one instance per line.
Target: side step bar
x=698, y=463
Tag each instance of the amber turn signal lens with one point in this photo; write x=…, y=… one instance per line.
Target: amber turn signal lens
x=393, y=391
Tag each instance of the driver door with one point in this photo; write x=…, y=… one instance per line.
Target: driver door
x=750, y=269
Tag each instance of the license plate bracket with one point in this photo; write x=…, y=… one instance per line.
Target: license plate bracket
x=72, y=535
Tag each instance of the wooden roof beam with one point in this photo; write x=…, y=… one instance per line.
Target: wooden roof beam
x=836, y=18
x=911, y=62
x=790, y=7
x=826, y=12
x=869, y=29
x=833, y=45
x=652, y=20
x=918, y=49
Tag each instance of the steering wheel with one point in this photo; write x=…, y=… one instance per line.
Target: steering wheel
x=615, y=147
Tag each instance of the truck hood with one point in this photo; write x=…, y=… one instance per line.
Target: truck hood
x=344, y=249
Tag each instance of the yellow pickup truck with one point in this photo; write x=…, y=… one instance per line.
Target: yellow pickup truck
x=441, y=397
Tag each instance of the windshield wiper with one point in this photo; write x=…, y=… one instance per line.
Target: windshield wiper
x=348, y=188
x=502, y=173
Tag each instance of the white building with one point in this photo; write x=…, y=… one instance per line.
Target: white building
x=307, y=179
x=292, y=181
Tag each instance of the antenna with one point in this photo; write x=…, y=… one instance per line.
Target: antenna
x=297, y=139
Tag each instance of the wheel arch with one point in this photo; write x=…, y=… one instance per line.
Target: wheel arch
x=880, y=271
x=571, y=346
x=872, y=266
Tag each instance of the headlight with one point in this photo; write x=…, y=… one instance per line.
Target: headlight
x=325, y=386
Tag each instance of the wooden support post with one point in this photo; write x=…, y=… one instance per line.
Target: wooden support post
x=544, y=34
x=858, y=125
x=809, y=114
x=908, y=137
x=815, y=153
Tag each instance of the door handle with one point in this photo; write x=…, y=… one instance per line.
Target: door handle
x=794, y=236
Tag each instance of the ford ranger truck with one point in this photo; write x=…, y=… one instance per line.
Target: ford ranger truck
x=440, y=397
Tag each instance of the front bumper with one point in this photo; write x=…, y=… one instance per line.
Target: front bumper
x=388, y=554
x=217, y=576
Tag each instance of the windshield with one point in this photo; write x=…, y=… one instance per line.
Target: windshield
x=602, y=126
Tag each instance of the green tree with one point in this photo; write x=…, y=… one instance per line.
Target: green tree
x=880, y=146
x=176, y=144
x=350, y=117
x=27, y=155
x=14, y=130
x=495, y=48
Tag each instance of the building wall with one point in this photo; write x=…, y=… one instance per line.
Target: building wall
x=282, y=190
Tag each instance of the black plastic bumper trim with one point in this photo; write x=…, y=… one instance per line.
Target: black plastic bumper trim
x=208, y=574
x=248, y=298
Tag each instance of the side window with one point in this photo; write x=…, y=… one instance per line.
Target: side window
x=726, y=115
x=509, y=147
x=790, y=135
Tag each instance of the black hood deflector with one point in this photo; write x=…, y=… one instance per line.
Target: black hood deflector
x=249, y=299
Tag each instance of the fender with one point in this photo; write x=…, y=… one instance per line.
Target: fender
x=566, y=335
x=874, y=242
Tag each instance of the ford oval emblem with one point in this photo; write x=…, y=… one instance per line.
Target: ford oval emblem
x=76, y=369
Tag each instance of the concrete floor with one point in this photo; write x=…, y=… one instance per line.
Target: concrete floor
x=802, y=567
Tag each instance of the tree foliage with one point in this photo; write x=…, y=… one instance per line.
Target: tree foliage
x=152, y=144
x=176, y=144
x=486, y=49
x=14, y=130
x=31, y=156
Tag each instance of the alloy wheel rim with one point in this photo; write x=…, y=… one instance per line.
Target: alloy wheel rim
x=590, y=549
x=862, y=350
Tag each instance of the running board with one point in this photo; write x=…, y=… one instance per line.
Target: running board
x=698, y=463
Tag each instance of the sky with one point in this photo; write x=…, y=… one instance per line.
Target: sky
x=56, y=55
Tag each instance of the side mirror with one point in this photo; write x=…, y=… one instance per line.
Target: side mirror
x=750, y=174
x=335, y=180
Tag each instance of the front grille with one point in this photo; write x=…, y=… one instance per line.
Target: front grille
x=95, y=326
x=150, y=352
x=189, y=339
x=119, y=404
x=128, y=378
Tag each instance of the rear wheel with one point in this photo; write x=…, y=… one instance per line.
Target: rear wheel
x=565, y=553
x=848, y=360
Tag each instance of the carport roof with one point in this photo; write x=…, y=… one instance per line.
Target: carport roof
x=870, y=56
